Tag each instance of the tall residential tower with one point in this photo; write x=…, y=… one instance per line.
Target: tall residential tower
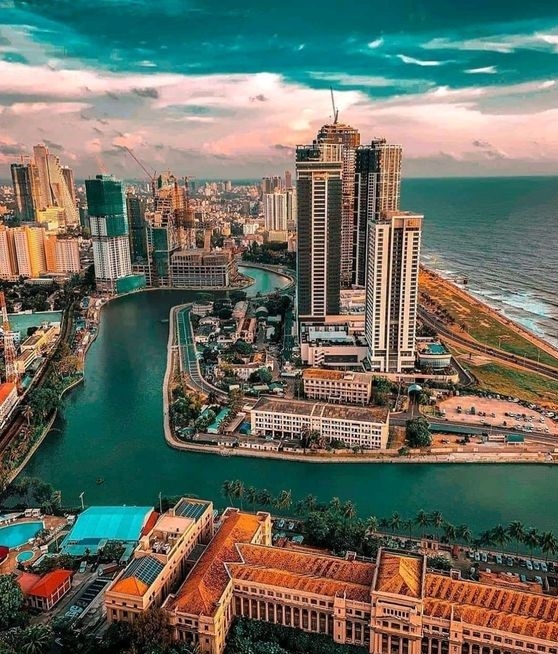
x=319, y=169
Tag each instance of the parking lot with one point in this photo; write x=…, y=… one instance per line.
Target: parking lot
x=498, y=413
x=527, y=569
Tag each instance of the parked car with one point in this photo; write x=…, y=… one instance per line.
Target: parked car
x=536, y=565
x=529, y=564
x=544, y=567
x=509, y=561
x=498, y=558
x=539, y=580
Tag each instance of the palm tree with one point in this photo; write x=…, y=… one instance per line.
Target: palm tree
x=450, y=532
x=500, y=535
x=464, y=533
x=227, y=490
x=238, y=490
x=27, y=413
x=349, y=510
x=251, y=496
x=408, y=524
x=422, y=521
x=516, y=531
x=548, y=543
x=486, y=538
x=265, y=498
x=531, y=539
x=36, y=639
x=436, y=519
x=395, y=521
x=335, y=504
x=372, y=525
x=310, y=502
x=383, y=524
x=284, y=499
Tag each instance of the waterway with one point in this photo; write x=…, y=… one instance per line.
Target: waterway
x=111, y=428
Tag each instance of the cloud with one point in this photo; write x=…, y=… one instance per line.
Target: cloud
x=13, y=149
x=502, y=43
x=259, y=98
x=488, y=70
x=481, y=144
x=376, y=43
x=420, y=62
x=371, y=81
x=53, y=146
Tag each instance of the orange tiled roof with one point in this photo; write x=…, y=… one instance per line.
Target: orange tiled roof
x=26, y=581
x=205, y=585
x=400, y=575
x=130, y=586
x=496, y=607
x=150, y=523
x=311, y=564
x=5, y=389
x=306, y=583
x=50, y=583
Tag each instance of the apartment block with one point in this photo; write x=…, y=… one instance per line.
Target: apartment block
x=168, y=548
x=355, y=426
x=337, y=386
x=8, y=259
x=195, y=269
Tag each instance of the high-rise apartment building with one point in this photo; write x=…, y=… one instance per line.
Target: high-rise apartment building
x=275, y=211
x=29, y=246
x=8, y=260
x=68, y=175
x=377, y=190
x=288, y=180
x=392, y=290
x=67, y=255
x=109, y=231
x=44, y=198
x=135, y=208
x=349, y=138
x=319, y=198
x=271, y=184
x=23, y=191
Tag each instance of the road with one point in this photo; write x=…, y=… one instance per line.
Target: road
x=188, y=356
x=500, y=355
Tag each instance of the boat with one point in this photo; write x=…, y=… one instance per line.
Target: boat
x=100, y=480
x=165, y=321
x=465, y=281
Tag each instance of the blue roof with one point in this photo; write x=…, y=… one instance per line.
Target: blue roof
x=146, y=569
x=101, y=523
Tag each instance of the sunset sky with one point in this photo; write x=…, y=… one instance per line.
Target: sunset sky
x=227, y=89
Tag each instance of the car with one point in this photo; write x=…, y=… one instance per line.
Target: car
x=539, y=580
x=498, y=558
x=544, y=567
x=477, y=556
x=523, y=578
x=536, y=565
x=529, y=564
x=484, y=557
x=509, y=561
x=291, y=526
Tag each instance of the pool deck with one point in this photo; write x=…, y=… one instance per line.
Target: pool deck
x=53, y=523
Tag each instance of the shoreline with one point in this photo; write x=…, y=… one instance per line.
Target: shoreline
x=535, y=339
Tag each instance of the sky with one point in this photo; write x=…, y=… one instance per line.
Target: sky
x=227, y=89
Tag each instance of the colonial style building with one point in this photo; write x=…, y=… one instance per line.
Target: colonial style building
x=337, y=386
x=394, y=605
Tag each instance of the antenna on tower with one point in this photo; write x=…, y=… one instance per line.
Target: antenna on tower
x=335, y=111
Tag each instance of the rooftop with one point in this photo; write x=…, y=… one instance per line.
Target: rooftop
x=400, y=575
x=44, y=586
x=173, y=524
x=5, y=389
x=340, y=411
x=205, y=585
x=138, y=576
x=337, y=375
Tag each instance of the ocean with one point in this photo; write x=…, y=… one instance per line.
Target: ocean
x=501, y=234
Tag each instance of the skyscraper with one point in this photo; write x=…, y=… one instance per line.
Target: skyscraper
x=29, y=246
x=40, y=157
x=109, y=231
x=319, y=193
x=23, y=191
x=135, y=208
x=377, y=190
x=68, y=175
x=392, y=290
x=270, y=184
x=8, y=260
x=349, y=138
x=288, y=180
x=275, y=211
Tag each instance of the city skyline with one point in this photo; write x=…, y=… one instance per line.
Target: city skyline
x=223, y=90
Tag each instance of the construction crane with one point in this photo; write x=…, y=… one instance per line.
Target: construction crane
x=152, y=177
x=9, y=345
x=189, y=222
x=335, y=111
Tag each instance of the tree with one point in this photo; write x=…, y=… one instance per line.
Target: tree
x=284, y=500
x=395, y=521
x=11, y=603
x=464, y=533
x=436, y=519
x=251, y=496
x=238, y=490
x=408, y=525
x=310, y=502
x=450, y=532
x=417, y=432
x=531, y=539
x=227, y=490
x=500, y=535
x=516, y=531
x=69, y=365
x=150, y=630
x=265, y=375
x=422, y=520
x=349, y=510
x=36, y=639
x=43, y=401
x=372, y=524
x=548, y=543
x=27, y=413
x=265, y=498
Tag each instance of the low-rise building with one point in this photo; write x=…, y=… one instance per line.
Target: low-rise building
x=8, y=399
x=337, y=386
x=43, y=592
x=197, y=269
x=355, y=426
x=433, y=356
x=243, y=370
x=24, y=360
x=166, y=551
x=247, y=328
x=42, y=338
x=394, y=604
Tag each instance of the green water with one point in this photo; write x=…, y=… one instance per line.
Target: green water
x=112, y=428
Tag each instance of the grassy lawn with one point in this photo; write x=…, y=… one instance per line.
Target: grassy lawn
x=480, y=323
x=508, y=381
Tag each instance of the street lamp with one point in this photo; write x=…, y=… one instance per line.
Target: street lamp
x=81, y=498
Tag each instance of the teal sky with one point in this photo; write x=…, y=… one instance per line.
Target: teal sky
x=227, y=89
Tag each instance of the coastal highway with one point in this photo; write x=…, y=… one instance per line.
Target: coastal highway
x=451, y=336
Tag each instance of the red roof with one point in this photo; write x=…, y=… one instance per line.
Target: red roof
x=5, y=389
x=26, y=581
x=50, y=583
x=4, y=551
x=148, y=526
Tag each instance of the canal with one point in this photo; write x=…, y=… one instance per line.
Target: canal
x=111, y=428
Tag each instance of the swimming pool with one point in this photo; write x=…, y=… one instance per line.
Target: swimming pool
x=26, y=555
x=19, y=533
